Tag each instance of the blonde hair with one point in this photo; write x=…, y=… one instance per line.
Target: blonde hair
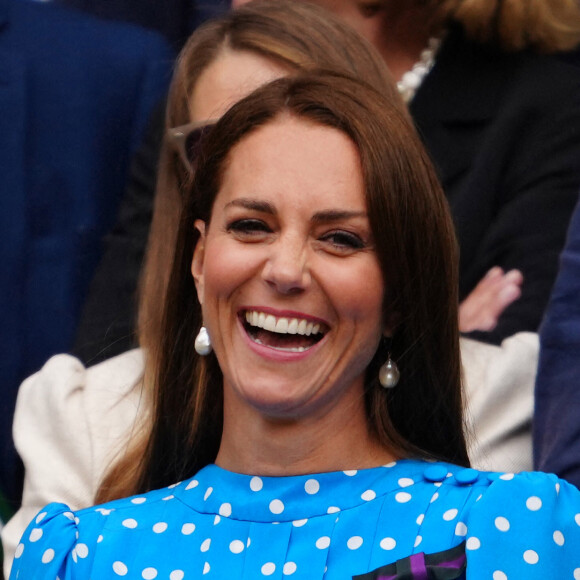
x=544, y=26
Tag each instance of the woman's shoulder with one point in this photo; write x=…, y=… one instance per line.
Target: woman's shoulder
x=46, y=543
x=476, y=494
x=529, y=522
x=496, y=486
x=58, y=534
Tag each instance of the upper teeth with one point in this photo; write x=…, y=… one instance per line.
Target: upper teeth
x=282, y=325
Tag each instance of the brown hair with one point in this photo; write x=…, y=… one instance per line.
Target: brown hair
x=539, y=25
x=416, y=247
x=295, y=34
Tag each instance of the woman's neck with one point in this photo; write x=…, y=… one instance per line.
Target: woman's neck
x=339, y=440
x=406, y=31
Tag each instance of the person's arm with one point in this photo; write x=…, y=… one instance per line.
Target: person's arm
x=557, y=417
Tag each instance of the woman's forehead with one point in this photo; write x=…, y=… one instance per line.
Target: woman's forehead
x=295, y=160
x=233, y=75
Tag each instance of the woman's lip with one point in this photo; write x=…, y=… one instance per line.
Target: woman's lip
x=282, y=314
x=276, y=354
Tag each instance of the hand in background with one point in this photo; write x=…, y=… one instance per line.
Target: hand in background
x=486, y=302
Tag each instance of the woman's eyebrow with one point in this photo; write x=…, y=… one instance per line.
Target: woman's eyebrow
x=333, y=215
x=253, y=204
x=324, y=216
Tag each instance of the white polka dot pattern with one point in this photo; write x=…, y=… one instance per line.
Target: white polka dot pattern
x=276, y=506
x=531, y=557
x=473, y=543
x=311, y=486
x=502, y=524
x=268, y=568
x=388, y=543
x=120, y=569
x=187, y=529
x=130, y=523
x=534, y=503
x=289, y=568
x=450, y=514
x=256, y=484
x=329, y=525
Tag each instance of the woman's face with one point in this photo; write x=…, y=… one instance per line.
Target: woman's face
x=289, y=282
x=228, y=79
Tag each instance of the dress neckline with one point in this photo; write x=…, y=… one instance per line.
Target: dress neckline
x=214, y=490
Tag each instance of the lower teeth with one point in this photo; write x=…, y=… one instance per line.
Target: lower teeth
x=290, y=349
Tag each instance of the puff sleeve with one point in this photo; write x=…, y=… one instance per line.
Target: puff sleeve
x=69, y=424
x=48, y=543
x=524, y=526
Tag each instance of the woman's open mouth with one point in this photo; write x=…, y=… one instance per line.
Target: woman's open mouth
x=282, y=333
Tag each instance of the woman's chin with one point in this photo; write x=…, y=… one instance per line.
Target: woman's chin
x=276, y=397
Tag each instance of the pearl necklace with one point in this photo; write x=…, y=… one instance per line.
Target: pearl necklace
x=412, y=79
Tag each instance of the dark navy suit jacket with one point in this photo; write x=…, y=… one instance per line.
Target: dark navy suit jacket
x=557, y=408
x=175, y=19
x=75, y=94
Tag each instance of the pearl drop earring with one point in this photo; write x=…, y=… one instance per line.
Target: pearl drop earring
x=203, y=342
x=389, y=374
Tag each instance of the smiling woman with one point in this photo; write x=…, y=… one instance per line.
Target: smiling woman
x=313, y=207
x=292, y=194
x=290, y=286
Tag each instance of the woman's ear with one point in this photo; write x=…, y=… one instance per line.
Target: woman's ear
x=392, y=320
x=198, y=260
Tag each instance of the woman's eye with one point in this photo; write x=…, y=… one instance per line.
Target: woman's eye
x=368, y=10
x=344, y=241
x=248, y=227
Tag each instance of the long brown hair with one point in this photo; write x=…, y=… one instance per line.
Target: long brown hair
x=294, y=34
x=416, y=247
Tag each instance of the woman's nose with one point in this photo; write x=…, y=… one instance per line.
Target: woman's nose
x=286, y=269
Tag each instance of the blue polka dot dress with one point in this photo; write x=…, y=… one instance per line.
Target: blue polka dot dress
x=336, y=525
